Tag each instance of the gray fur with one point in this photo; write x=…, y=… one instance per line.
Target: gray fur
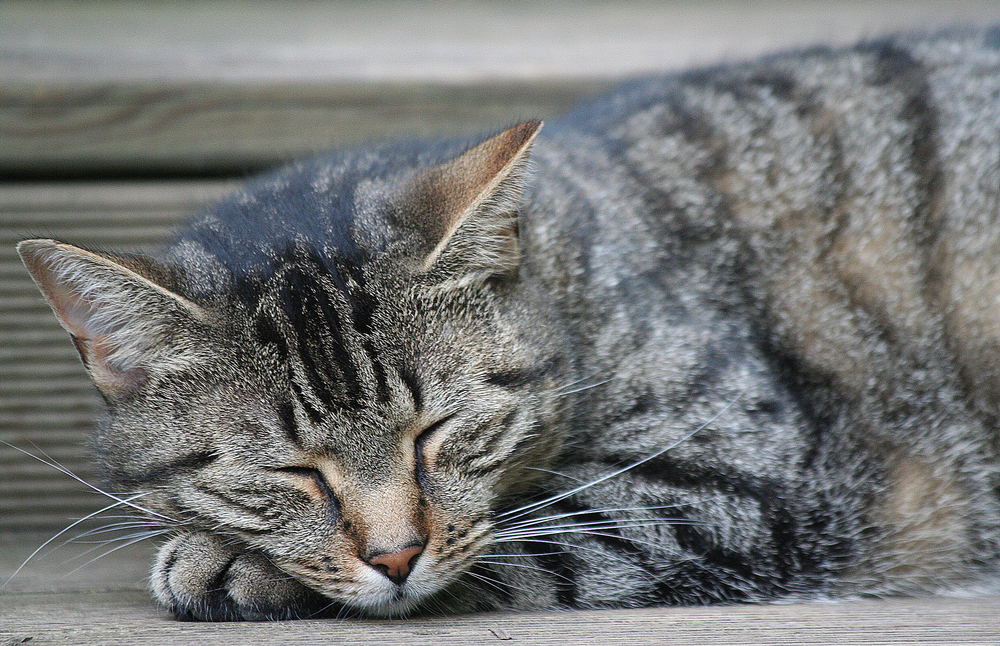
x=778, y=279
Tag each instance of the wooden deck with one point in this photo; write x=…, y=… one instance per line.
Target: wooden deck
x=118, y=119
x=107, y=604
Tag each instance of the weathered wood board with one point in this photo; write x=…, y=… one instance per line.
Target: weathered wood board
x=106, y=603
x=103, y=89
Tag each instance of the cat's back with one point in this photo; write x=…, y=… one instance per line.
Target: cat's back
x=855, y=191
x=821, y=226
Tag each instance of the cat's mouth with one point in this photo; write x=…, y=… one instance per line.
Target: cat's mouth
x=372, y=594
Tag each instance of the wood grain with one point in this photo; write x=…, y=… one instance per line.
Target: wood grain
x=106, y=603
x=127, y=617
x=83, y=130
x=424, y=41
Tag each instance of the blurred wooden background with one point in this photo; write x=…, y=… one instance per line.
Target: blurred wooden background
x=119, y=119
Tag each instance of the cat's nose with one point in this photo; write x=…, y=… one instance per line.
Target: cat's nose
x=396, y=565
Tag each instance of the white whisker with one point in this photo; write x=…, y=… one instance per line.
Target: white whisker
x=574, y=546
x=592, y=532
x=141, y=537
x=566, y=385
x=526, y=566
x=100, y=544
x=564, y=393
x=496, y=583
x=526, y=555
x=66, y=529
x=603, y=510
x=555, y=473
x=596, y=524
x=69, y=473
x=107, y=529
x=526, y=509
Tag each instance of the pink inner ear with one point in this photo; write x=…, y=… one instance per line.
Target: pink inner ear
x=78, y=315
x=109, y=377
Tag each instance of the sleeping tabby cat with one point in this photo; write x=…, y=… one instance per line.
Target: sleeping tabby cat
x=732, y=335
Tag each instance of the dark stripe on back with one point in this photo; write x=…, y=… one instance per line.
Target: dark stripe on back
x=315, y=415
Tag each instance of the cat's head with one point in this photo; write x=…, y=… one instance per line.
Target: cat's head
x=342, y=367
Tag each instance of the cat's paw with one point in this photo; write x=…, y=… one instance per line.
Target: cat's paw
x=199, y=576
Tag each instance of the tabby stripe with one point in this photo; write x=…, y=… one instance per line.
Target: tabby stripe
x=294, y=299
x=179, y=466
x=286, y=413
x=217, y=586
x=378, y=370
x=512, y=378
x=412, y=385
x=560, y=563
x=268, y=333
x=315, y=415
x=341, y=357
x=259, y=512
x=896, y=67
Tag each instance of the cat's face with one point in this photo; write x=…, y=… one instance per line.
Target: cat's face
x=358, y=426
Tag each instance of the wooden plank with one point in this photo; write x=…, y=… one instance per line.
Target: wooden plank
x=106, y=603
x=83, y=130
x=144, y=89
x=391, y=41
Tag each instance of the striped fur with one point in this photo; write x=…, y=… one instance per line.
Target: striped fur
x=770, y=290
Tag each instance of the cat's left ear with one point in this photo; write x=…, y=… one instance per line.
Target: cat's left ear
x=470, y=219
x=126, y=324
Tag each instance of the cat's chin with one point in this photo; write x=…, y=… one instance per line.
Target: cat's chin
x=386, y=606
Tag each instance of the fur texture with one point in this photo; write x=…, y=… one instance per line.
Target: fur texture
x=734, y=337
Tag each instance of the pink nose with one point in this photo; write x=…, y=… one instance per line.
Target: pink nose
x=396, y=565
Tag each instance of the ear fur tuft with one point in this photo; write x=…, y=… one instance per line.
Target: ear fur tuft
x=476, y=200
x=123, y=323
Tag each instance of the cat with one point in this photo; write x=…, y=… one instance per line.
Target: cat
x=729, y=335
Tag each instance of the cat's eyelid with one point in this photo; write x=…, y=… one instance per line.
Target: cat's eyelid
x=297, y=470
x=433, y=427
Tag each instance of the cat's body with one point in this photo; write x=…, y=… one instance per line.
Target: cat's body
x=779, y=279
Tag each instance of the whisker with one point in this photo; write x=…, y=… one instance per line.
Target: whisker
x=526, y=555
x=107, y=529
x=87, y=484
x=66, y=529
x=565, y=393
x=637, y=541
x=555, y=473
x=101, y=544
x=496, y=583
x=144, y=536
x=529, y=567
x=526, y=509
x=542, y=530
x=579, y=547
x=567, y=385
x=542, y=519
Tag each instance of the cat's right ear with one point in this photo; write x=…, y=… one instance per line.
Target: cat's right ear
x=124, y=324
x=468, y=208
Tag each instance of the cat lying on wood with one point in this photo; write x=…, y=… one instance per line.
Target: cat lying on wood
x=730, y=335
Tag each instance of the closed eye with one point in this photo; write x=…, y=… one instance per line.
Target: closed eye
x=312, y=474
x=420, y=442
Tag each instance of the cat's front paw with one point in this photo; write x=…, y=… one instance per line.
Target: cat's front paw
x=202, y=577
